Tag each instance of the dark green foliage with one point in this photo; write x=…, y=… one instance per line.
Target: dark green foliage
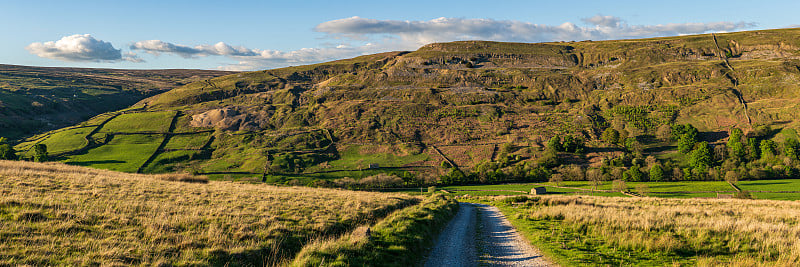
x=611, y=136
x=549, y=160
x=686, y=143
x=633, y=174
x=791, y=147
x=554, y=144
x=569, y=144
x=656, y=173
x=679, y=130
x=753, y=149
x=700, y=157
x=40, y=153
x=7, y=151
x=633, y=145
x=768, y=148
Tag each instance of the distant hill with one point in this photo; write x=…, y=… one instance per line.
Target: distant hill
x=459, y=103
x=37, y=99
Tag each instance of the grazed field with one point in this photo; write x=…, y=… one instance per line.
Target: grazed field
x=55, y=214
x=584, y=230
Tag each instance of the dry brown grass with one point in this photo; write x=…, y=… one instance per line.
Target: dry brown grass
x=55, y=214
x=731, y=231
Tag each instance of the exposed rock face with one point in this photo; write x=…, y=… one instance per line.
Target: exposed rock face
x=229, y=118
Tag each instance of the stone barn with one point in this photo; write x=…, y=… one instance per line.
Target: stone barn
x=538, y=190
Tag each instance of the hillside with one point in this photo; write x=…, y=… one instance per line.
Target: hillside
x=55, y=214
x=470, y=103
x=37, y=99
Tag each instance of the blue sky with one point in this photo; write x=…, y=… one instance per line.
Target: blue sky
x=248, y=35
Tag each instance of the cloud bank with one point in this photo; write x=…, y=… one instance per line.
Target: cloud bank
x=80, y=47
x=450, y=29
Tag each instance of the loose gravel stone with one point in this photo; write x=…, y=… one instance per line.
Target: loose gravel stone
x=500, y=244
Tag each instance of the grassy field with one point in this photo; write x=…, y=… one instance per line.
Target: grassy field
x=682, y=189
x=60, y=141
x=140, y=122
x=188, y=141
x=356, y=157
x=56, y=214
x=592, y=231
x=123, y=153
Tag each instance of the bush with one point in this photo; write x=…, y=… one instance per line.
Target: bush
x=619, y=185
x=381, y=180
x=515, y=199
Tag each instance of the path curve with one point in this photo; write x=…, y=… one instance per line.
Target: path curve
x=480, y=235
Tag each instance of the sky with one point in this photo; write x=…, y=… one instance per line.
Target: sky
x=256, y=35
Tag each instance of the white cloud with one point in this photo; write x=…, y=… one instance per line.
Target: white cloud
x=80, y=47
x=255, y=58
x=219, y=49
x=605, y=21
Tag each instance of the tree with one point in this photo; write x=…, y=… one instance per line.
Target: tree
x=737, y=149
x=735, y=136
x=700, y=157
x=595, y=177
x=633, y=174
x=556, y=179
x=633, y=145
x=686, y=143
x=7, y=151
x=554, y=144
x=569, y=144
x=767, y=148
x=40, y=152
x=610, y=136
x=732, y=176
x=656, y=173
x=790, y=148
x=753, y=151
x=679, y=130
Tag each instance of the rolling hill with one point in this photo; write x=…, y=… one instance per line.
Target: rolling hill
x=37, y=99
x=462, y=103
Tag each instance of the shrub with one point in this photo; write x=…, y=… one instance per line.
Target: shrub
x=515, y=199
x=619, y=185
x=642, y=189
x=381, y=180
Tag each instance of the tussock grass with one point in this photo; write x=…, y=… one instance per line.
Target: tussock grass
x=56, y=214
x=655, y=231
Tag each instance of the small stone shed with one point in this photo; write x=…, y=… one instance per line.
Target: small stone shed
x=538, y=190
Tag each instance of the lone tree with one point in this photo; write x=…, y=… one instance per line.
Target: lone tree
x=40, y=153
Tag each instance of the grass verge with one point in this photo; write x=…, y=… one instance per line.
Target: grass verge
x=399, y=240
x=591, y=231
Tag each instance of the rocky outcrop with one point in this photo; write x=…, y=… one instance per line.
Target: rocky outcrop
x=231, y=119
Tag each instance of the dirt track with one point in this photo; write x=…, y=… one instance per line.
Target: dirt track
x=480, y=235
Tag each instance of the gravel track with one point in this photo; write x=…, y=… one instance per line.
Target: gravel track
x=479, y=235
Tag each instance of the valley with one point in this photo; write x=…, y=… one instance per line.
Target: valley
x=672, y=150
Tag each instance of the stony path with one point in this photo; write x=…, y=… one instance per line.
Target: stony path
x=456, y=243
x=480, y=235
